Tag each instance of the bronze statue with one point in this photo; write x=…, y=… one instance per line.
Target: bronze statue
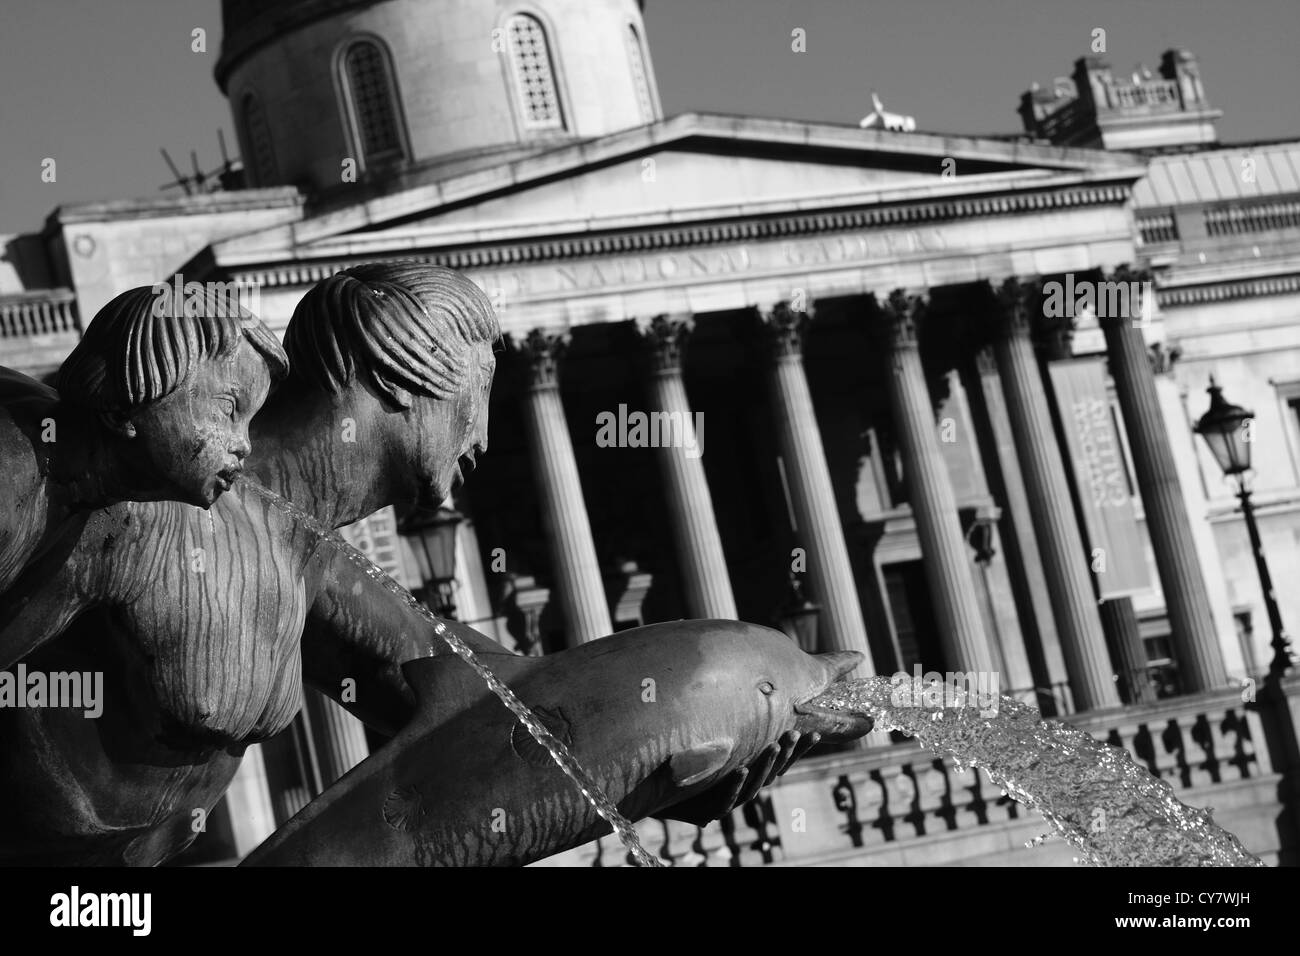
x=205, y=625
x=152, y=404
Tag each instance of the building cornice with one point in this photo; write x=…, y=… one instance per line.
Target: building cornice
x=1229, y=290
x=208, y=204
x=303, y=269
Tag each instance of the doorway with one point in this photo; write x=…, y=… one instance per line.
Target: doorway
x=916, y=634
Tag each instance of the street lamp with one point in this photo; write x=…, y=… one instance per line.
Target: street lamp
x=435, y=534
x=798, y=616
x=1224, y=428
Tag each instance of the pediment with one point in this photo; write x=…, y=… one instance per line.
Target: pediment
x=690, y=169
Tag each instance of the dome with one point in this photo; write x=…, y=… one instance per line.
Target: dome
x=384, y=89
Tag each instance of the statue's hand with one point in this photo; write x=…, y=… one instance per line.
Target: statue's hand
x=741, y=786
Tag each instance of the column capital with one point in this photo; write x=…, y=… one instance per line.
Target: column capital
x=1054, y=335
x=1018, y=302
x=542, y=350
x=665, y=338
x=784, y=329
x=902, y=313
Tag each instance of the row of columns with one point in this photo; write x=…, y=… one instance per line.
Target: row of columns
x=697, y=542
x=1096, y=641
x=1037, y=468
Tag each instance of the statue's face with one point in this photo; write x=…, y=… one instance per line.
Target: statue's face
x=450, y=433
x=196, y=438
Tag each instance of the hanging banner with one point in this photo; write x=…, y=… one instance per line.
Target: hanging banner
x=1117, y=554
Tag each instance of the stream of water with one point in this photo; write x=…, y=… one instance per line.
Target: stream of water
x=1094, y=795
x=565, y=760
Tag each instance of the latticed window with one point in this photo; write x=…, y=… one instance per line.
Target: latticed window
x=640, y=80
x=374, y=105
x=257, y=135
x=534, y=72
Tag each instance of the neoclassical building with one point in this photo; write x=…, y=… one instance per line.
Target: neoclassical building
x=866, y=325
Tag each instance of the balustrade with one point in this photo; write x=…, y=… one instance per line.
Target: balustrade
x=41, y=313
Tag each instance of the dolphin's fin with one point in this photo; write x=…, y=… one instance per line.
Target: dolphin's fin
x=701, y=761
x=445, y=685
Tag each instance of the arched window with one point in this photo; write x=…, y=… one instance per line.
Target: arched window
x=372, y=94
x=257, y=140
x=534, y=74
x=640, y=76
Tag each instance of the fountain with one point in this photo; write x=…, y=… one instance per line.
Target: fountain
x=206, y=623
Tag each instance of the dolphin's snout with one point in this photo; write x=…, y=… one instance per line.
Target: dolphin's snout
x=833, y=725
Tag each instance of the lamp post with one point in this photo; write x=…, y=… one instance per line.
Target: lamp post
x=1224, y=428
x=798, y=616
x=434, y=532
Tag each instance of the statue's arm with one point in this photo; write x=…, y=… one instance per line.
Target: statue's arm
x=358, y=630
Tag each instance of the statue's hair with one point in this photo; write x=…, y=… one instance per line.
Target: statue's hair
x=397, y=324
x=141, y=346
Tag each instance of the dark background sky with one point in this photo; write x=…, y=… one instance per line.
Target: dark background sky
x=100, y=85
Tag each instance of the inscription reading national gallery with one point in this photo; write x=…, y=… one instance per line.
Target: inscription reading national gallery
x=713, y=263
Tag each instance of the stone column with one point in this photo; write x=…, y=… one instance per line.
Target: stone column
x=1191, y=621
x=574, y=571
x=812, y=497
x=934, y=505
x=1126, y=651
x=697, y=543
x=1050, y=505
x=1128, y=656
x=1019, y=542
x=338, y=738
x=1183, y=443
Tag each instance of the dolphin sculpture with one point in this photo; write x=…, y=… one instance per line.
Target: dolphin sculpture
x=656, y=716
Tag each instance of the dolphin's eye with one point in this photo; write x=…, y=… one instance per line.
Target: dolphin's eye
x=766, y=687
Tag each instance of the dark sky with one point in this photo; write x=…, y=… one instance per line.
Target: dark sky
x=100, y=85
